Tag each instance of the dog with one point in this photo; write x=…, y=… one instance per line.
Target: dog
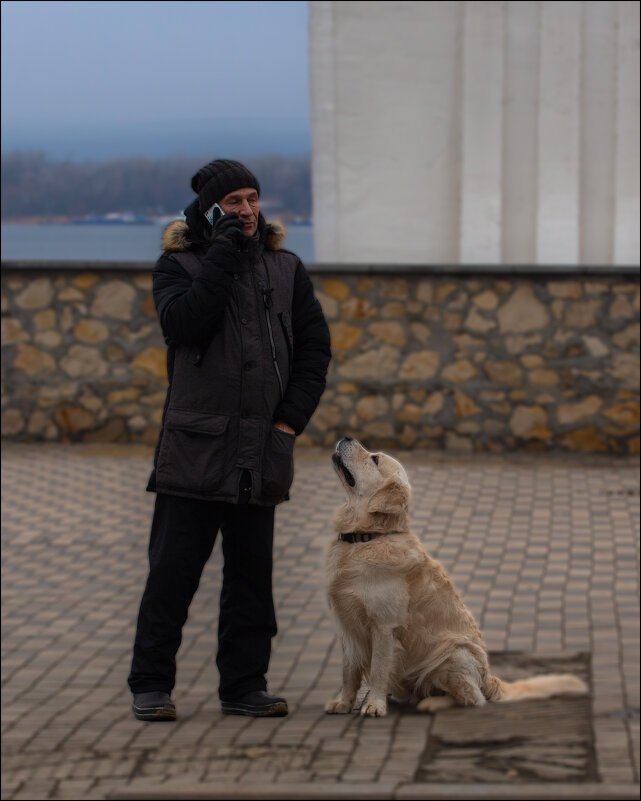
x=403, y=625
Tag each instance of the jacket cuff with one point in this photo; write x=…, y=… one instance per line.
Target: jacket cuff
x=290, y=415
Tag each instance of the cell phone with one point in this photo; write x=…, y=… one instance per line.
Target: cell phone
x=214, y=213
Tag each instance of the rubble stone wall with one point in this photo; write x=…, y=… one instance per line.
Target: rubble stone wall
x=493, y=361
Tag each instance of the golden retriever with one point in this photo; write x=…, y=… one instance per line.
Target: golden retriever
x=403, y=626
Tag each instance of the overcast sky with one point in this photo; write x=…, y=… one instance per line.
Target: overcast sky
x=127, y=64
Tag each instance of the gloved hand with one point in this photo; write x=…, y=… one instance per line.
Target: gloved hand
x=226, y=241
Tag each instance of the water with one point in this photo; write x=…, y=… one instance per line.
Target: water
x=109, y=242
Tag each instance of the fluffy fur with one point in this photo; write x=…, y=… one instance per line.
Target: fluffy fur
x=175, y=236
x=403, y=625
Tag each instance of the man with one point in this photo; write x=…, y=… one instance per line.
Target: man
x=248, y=351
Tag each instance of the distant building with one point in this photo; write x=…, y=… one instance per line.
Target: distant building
x=475, y=132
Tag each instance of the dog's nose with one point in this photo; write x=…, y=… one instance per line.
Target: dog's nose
x=347, y=438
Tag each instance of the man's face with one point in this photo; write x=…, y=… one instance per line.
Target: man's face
x=244, y=202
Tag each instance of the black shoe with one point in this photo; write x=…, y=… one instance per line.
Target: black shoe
x=258, y=704
x=153, y=706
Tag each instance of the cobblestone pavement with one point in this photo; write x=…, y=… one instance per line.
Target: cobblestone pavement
x=543, y=549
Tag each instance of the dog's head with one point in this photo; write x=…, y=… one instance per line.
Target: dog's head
x=378, y=490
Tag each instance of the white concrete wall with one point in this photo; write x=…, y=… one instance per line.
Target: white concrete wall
x=475, y=132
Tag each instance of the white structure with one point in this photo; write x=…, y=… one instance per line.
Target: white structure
x=475, y=132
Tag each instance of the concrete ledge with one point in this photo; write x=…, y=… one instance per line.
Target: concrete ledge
x=79, y=266
x=520, y=792
x=532, y=270
x=318, y=791
x=141, y=791
x=348, y=268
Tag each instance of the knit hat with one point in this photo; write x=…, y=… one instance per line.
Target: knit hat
x=218, y=178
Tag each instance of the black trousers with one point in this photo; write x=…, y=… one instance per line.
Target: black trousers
x=183, y=534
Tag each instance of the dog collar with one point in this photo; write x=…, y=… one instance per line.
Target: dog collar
x=363, y=536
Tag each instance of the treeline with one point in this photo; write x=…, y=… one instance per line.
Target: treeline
x=33, y=186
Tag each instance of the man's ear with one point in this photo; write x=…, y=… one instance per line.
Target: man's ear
x=392, y=498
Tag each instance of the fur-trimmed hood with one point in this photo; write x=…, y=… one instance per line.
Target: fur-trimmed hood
x=175, y=236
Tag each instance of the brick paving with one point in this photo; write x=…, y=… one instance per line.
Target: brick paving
x=544, y=549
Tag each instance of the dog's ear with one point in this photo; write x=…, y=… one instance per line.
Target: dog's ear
x=392, y=498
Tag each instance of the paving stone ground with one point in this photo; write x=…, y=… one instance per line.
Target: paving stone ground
x=544, y=549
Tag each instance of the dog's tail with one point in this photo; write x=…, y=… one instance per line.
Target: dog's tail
x=536, y=687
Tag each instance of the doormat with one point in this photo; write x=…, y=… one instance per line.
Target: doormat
x=549, y=740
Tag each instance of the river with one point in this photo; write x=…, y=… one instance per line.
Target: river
x=109, y=242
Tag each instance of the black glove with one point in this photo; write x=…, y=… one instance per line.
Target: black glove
x=226, y=241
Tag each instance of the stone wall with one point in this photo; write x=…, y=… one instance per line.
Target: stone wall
x=424, y=358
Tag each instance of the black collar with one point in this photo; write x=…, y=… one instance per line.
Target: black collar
x=364, y=536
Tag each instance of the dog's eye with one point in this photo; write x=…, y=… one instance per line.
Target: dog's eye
x=375, y=458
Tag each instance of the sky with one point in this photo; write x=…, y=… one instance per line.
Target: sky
x=153, y=77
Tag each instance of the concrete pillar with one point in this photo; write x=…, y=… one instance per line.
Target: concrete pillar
x=475, y=132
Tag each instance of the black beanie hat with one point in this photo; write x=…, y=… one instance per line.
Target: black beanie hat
x=218, y=178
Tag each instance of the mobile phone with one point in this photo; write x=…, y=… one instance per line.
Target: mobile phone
x=214, y=213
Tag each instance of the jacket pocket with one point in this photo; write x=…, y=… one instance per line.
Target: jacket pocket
x=278, y=465
x=193, y=450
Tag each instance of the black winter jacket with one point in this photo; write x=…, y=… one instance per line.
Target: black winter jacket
x=246, y=349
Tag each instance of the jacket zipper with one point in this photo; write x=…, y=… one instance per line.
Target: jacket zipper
x=267, y=300
x=290, y=353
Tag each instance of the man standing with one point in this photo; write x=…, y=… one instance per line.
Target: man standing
x=248, y=352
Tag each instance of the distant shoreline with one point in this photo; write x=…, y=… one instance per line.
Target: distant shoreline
x=82, y=221
x=101, y=221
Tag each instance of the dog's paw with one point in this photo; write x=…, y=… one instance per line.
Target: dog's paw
x=434, y=703
x=374, y=709
x=338, y=707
